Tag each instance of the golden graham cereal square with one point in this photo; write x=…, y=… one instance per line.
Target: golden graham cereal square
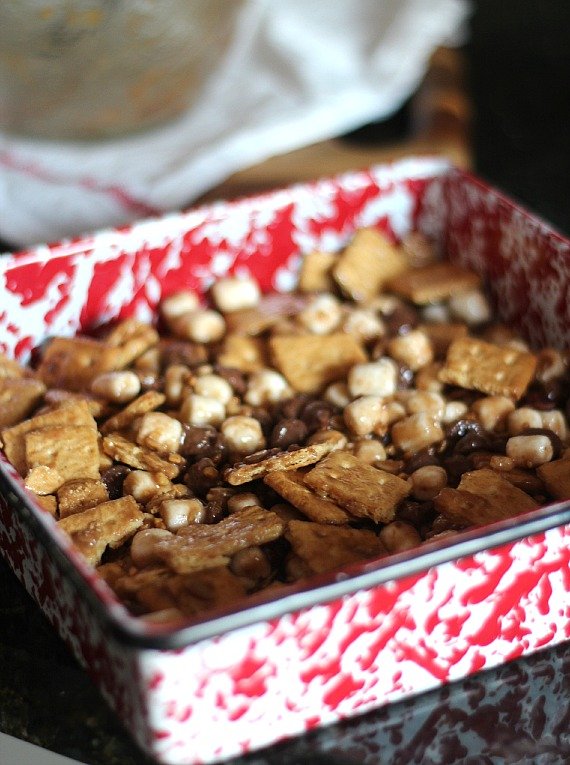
x=366, y=264
x=201, y=546
x=362, y=490
x=323, y=548
x=434, y=282
x=289, y=484
x=106, y=525
x=492, y=369
x=299, y=458
x=310, y=362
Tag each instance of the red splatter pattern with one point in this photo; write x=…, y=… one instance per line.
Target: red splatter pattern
x=278, y=677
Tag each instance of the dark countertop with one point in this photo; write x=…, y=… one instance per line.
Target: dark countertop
x=519, y=75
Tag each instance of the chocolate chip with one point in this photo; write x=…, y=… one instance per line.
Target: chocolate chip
x=252, y=459
x=378, y=349
x=202, y=476
x=440, y=524
x=113, y=477
x=471, y=442
x=455, y=466
x=264, y=418
x=219, y=495
x=543, y=396
x=461, y=428
x=417, y=513
x=405, y=377
x=421, y=459
x=317, y=415
x=287, y=432
x=201, y=442
x=468, y=397
x=402, y=320
x=235, y=377
x=292, y=408
x=181, y=352
x=214, y=512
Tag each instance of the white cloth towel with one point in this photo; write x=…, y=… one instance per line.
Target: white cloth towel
x=296, y=72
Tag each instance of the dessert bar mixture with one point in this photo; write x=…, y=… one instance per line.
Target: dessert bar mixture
x=248, y=441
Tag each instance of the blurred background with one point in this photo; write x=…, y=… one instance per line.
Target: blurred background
x=498, y=103
x=518, y=57
x=115, y=111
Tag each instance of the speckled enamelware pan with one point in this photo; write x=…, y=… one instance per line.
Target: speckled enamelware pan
x=341, y=643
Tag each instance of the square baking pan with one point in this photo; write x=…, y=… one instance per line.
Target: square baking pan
x=337, y=644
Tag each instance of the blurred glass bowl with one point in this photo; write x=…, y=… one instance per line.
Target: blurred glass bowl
x=89, y=69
